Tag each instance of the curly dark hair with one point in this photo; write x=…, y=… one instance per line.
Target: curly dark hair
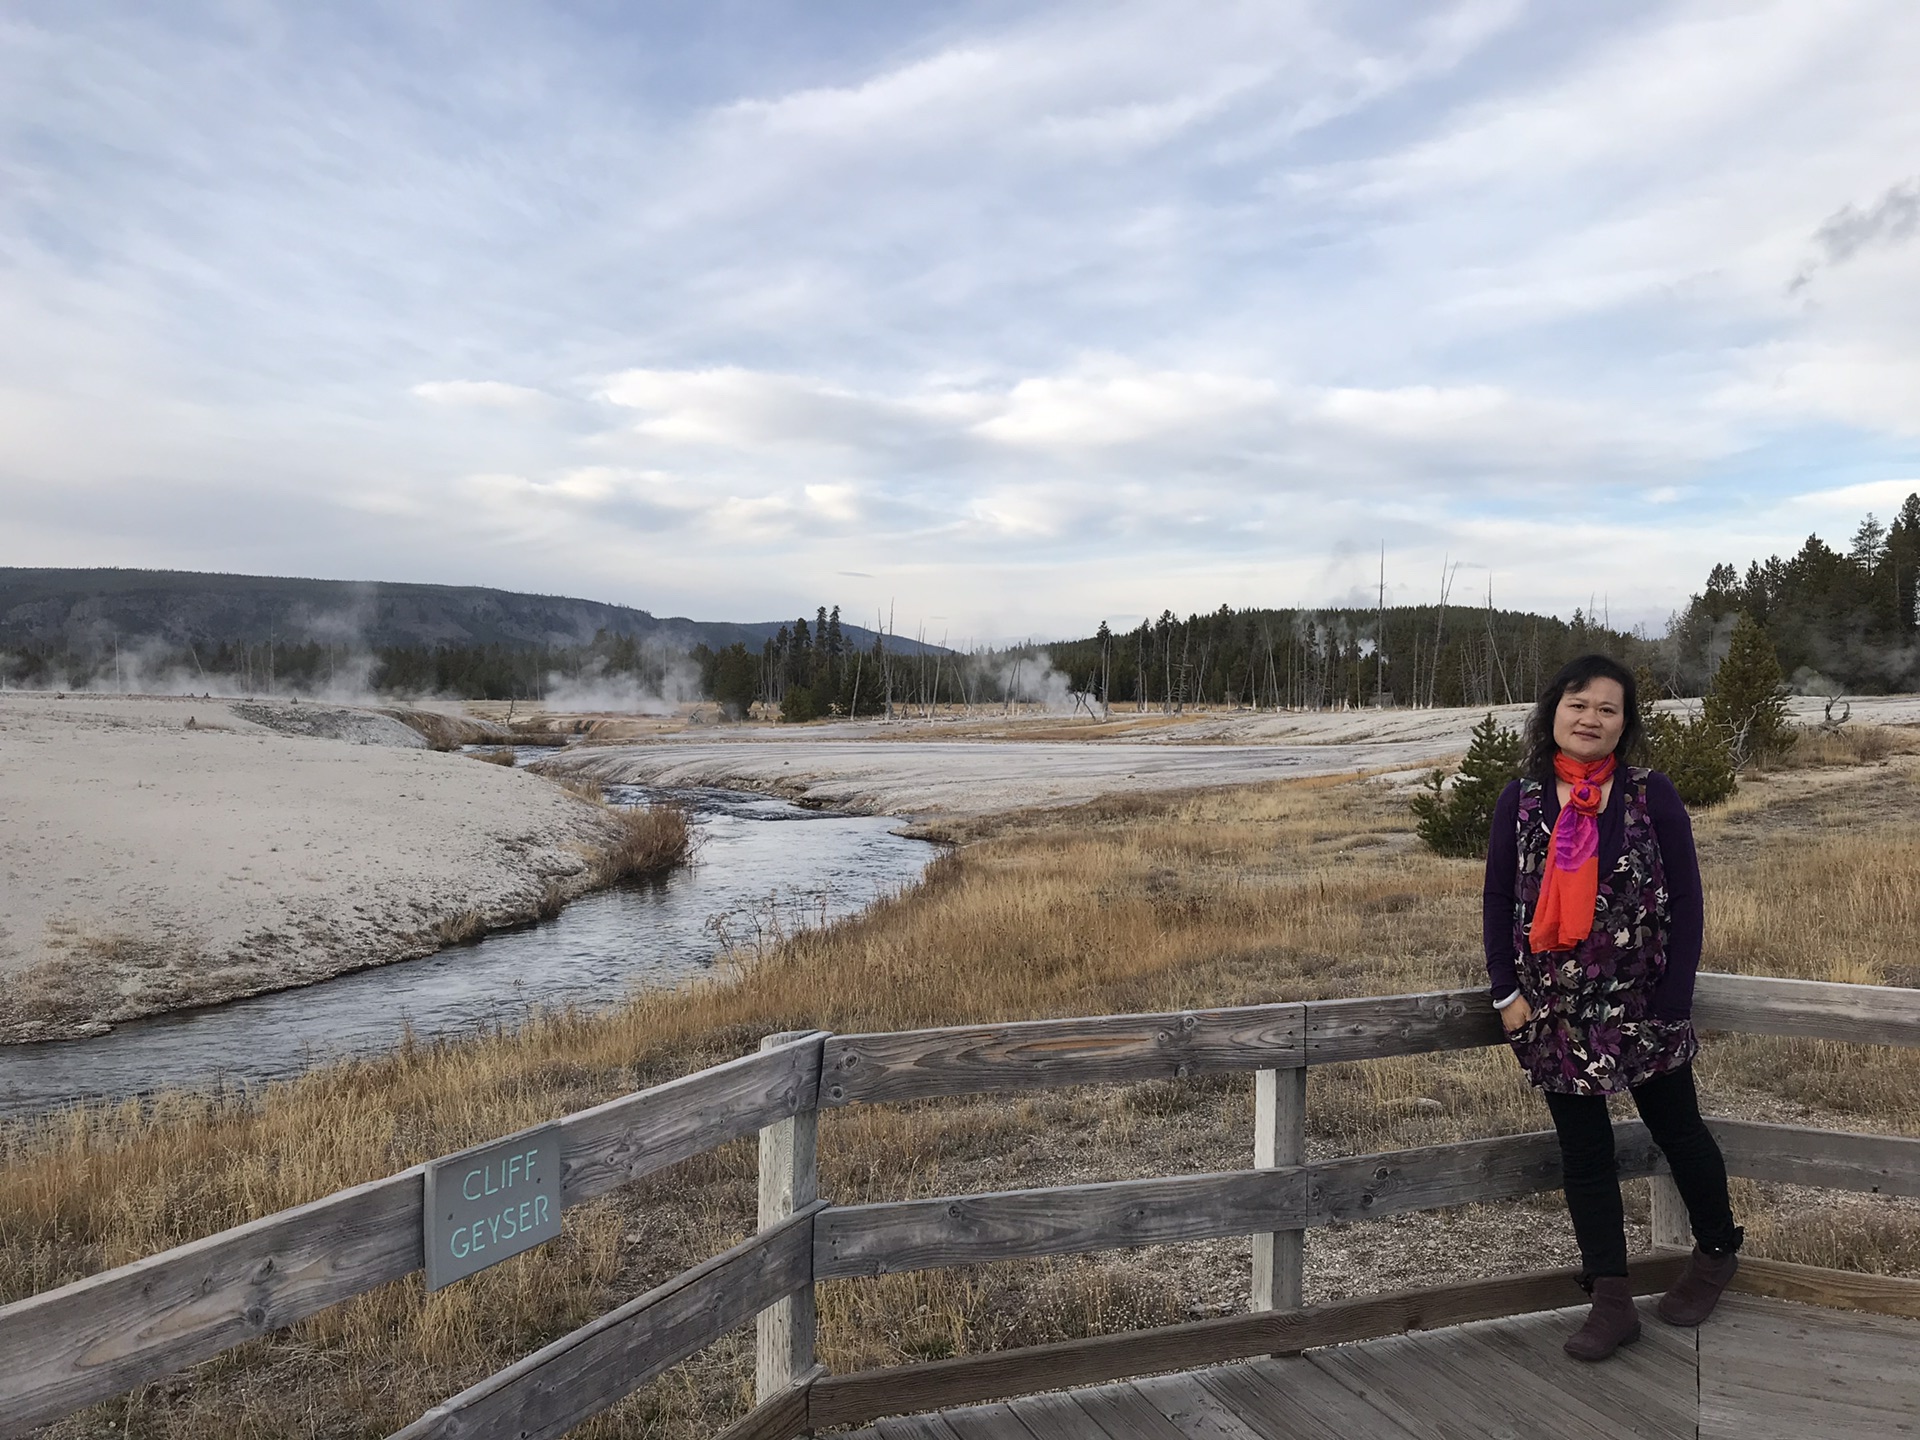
x=1577, y=675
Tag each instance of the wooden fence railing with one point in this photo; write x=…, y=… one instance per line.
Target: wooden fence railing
x=64, y=1349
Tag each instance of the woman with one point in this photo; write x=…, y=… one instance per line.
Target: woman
x=1593, y=920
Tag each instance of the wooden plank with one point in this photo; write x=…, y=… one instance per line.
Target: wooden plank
x=1061, y=1220
x=1641, y=1395
x=1292, y=1400
x=1797, y=1155
x=1060, y=1417
x=1814, y=1009
x=1196, y=1412
x=1884, y=1338
x=1768, y=1368
x=582, y=1373
x=789, y=1183
x=97, y=1337
x=1835, y=1289
x=1279, y=1139
x=782, y=1417
x=1439, y=1390
x=1366, y=1186
x=1126, y=1414
x=987, y=1422
x=629, y=1138
x=1379, y=1025
x=1666, y=1352
x=916, y=1427
x=1043, y=1054
x=855, y=1399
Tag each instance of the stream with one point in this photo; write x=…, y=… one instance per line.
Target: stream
x=764, y=867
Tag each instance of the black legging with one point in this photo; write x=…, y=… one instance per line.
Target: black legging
x=1672, y=1111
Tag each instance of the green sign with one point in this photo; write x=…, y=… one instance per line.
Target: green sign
x=489, y=1203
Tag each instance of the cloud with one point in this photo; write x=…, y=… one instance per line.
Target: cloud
x=481, y=395
x=1118, y=404
x=1019, y=315
x=1894, y=217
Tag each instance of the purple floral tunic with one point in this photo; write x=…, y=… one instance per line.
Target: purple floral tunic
x=1604, y=1018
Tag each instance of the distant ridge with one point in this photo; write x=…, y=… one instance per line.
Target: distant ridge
x=85, y=609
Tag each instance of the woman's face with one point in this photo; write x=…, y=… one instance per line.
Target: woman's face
x=1587, y=723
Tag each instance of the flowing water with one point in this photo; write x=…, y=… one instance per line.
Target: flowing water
x=763, y=868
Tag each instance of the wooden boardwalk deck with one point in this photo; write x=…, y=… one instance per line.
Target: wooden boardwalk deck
x=1759, y=1370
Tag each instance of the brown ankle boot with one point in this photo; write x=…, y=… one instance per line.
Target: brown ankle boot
x=1611, y=1323
x=1697, y=1291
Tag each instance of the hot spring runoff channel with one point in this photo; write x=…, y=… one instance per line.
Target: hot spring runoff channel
x=765, y=867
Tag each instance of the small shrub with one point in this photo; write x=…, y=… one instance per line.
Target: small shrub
x=1456, y=820
x=1693, y=753
x=798, y=706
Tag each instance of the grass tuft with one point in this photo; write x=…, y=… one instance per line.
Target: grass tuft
x=647, y=841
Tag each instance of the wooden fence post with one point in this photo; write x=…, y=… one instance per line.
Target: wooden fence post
x=1279, y=1138
x=1667, y=1215
x=783, y=1338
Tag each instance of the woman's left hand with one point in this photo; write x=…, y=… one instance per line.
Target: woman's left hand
x=1516, y=1014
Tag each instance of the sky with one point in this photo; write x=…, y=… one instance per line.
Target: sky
x=1001, y=318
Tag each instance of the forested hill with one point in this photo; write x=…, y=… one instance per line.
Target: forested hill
x=81, y=611
x=1840, y=620
x=1300, y=658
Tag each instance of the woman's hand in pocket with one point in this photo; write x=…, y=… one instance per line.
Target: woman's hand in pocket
x=1516, y=1014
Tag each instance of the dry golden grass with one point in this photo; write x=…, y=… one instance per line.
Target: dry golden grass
x=646, y=841
x=498, y=755
x=1847, y=745
x=1294, y=891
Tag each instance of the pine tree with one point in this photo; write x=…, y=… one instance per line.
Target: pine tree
x=1457, y=820
x=1747, y=706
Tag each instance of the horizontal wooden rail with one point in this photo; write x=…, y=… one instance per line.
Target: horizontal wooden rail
x=1376, y=1026
x=1045, y=1054
x=970, y=1379
x=581, y=1374
x=1833, y=1159
x=897, y=1236
x=1110, y=1049
x=905, y=1235
x=1809, y=1009
x=101, y=1336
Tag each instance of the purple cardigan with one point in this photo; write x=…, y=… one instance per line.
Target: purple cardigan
x=1673, y=1000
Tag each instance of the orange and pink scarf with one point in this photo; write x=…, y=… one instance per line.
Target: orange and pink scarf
x=1563, y=916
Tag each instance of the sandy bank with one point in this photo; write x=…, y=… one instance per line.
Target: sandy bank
x=933, y=771
x=952, y=768
x=146, y=865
